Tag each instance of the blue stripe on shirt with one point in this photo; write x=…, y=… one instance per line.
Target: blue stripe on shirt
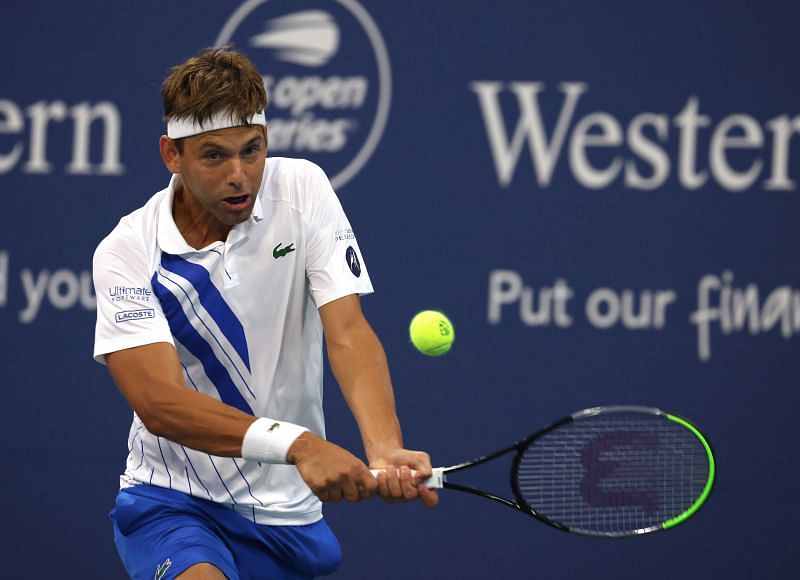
x=186, y=334
x=211, y=300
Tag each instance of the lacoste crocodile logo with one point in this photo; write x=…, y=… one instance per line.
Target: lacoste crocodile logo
x=274, y=426
x=162, y=569
x=279, y=252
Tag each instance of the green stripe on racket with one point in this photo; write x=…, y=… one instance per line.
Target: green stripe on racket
x=607, y=471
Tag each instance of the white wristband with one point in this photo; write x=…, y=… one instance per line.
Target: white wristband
x=268, y=440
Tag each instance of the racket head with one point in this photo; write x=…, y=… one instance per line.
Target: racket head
x=614, y=471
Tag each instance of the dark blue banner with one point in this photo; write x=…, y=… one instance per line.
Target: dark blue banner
x=601, y=196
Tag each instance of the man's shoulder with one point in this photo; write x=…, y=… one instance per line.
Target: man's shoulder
x=293, y=180
x=134, y=228
x=291, y=167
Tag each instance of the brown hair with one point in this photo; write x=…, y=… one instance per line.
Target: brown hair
x=214, y=80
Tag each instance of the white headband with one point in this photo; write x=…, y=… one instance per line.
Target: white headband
x=186, y=126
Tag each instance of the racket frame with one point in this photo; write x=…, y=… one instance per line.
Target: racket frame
x=440, y=474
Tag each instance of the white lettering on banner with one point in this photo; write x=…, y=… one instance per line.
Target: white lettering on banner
x=604, y=307
x=610, y=135
x=646, y=139
x=648, y=151
x=647, y=310
x=11, y=123
x=302, y=93
x=84, y=115
x=734, y=309
x=309, y=134
x=299, y=96
x=737, y=309
x=34, y=293
x=782, y=129
x=64, y=289
x=506, y=287
x=3, y=278
x=721, y=140
x=688, y=121
x=506, y=153
x=42, y=116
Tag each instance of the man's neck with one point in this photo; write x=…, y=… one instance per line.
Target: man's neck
x=196, y=225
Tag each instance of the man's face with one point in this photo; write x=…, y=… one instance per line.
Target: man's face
x=221, y=171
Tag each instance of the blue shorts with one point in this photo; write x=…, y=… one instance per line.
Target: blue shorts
x=163, y=531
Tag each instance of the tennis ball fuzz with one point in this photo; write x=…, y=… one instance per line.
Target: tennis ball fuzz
x=432, y=333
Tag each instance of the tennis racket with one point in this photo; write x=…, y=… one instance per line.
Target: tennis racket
x=607, y=471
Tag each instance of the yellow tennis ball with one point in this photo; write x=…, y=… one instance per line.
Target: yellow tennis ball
x=431, y=332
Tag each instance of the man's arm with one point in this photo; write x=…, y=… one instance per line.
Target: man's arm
x=359, y=364
x=151, y=380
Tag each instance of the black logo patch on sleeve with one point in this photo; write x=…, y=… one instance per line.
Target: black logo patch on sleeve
x=352, y=261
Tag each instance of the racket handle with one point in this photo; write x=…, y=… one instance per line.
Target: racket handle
x=435, y=481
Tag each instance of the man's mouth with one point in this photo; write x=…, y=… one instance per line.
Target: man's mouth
x=236, y=201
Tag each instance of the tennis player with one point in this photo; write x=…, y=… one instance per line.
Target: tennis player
x=212, y=303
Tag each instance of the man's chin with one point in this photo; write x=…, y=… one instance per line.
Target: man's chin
x=232, y=219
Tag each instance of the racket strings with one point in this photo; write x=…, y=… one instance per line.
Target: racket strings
x=614, y=475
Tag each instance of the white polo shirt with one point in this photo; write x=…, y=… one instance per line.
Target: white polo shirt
x=243, y=317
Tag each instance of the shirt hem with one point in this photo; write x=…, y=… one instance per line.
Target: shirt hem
x=256, y=514
x=109, y=346
x=323, y=298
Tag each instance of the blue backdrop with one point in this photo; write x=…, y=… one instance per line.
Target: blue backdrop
x=601, y=195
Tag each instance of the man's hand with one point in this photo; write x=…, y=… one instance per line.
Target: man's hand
x=395, y=482
x=331, y=472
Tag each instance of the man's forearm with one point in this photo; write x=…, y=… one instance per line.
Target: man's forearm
x=361, y=369
x=150, y=379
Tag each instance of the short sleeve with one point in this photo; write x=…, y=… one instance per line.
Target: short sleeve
x=128, y=312
x=334, y=264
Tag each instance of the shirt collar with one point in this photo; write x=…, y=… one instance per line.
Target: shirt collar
x=171, y=240
x=258, y=212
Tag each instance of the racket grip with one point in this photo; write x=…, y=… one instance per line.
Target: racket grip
x=435, y=481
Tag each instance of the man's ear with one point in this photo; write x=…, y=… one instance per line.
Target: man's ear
x=170, y=154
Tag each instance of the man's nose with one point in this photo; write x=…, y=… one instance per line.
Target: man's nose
x=236, y=174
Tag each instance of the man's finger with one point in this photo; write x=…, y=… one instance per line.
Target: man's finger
x=367, y=487
x=350, y=490
x=393, y=482
x=407, y=484
x=335, y=495
x=428, y=496
x=383, y=487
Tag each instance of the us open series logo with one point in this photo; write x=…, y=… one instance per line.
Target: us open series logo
x=327, y=75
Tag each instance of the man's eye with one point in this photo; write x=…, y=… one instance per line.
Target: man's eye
x=213, y=155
